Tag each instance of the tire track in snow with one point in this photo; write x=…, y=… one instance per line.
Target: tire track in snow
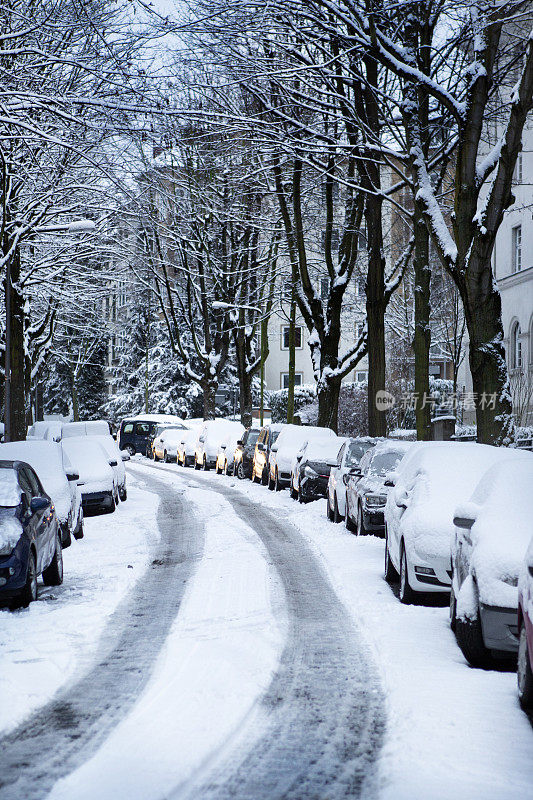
x=325, y=707
x=69, y=729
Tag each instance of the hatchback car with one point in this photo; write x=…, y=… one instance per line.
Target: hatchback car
x=30, y=542
x=267, y=437
x=283, y=452
x=491, y=538
x=311, y=468
x=210, y=437
x=348, y=459
x=243, y=457
x=97, y=478
x=136, y=433
x=163, y=445
x=525, y=631
x=366, y=490
x=186, y=447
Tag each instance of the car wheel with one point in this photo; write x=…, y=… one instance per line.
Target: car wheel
x=348, y=520
x=240, y=471
x=196, y=464
x=123, y=493
x=469, y=635
x=166, y=459
x=53, y=574
x=264, y=477
x=204, y=464
x=293, y=492
x=29, y=593
x=453, y=609
x=391, y=574
x=78, y=532
x=277, y=485
x=155, y=456
x=361, y=530
x=66, y=538
x=130, y=449
x=337, y=516
x=329, y=512
x=218, y=470
x=407, y=596
x=524, y=672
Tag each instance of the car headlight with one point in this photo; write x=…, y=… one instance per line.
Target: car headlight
x=375, y=500
x=310, y=472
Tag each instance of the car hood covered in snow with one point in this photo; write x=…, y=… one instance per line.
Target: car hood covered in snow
x=90, y=460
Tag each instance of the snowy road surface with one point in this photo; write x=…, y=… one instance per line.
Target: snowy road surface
x=216, y=640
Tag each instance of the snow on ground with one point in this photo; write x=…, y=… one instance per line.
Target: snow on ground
x=452, y=731
x=49, y=643
x=219, y=658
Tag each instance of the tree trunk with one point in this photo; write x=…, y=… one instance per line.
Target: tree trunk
x=328, y=404
x=75, y=401
x=492, y=392
x=375, y=311
x=18, y=358
x=209, y=391
x=292, y=359
x=422, y=332
x=264, y=356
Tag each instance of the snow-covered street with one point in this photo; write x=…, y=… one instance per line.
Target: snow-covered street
x=213, y=639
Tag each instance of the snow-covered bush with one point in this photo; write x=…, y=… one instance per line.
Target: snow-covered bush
x=303, y=396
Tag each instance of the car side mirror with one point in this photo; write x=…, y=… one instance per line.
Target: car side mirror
x=260, y=446
x=125, y=455
x=463, y=522
x=201, y=439
x=222, y=446
x=401, y=498
x=389, y=482
x=356, y=472
x=465, y=515
x=239, y=442
x=299, y=457
x=113, y=462
x=73, y=476
x=274, y=448
x=39, y=504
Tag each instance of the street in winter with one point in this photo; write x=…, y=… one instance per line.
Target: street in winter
x=266, y=400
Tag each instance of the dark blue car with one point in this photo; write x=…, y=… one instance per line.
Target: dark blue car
x=30, y=543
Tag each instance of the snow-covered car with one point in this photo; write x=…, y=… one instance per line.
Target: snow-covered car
x=97, y=481
x=243, y=457
x=51, y=430
x=348, y=459
x=186, y=447
x=115, y=455
x=367, y=490
x=284, y=450
x=525, y=629
x=30, y=542
x=267, y=437
x=431, y=481
x=58, y=478
x=94, y=427
x=226, y=452
x=492, y=533
x=210, y=437
x=136, y=433
x=311, y=468
x=165, y=444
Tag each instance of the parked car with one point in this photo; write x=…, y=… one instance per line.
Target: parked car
x=267, y=437
x=30, y=541
x=115, y=455
x=283, y=452
x=210, y=437
x=311, y=468
x=492, y=534
x=136, y=433
x=348, y=459
x=366, y=490
x=51, y=430
x=525, y=630
x=243, y=457
x=94, y=427
x=157, y=449
x=59, y=479
x=226, y=452
x=186, y=447
x=99, y=489
x=431, y=481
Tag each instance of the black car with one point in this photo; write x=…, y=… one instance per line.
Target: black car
x=30, y=543
x=137, y=433
x=267, y=437
x=310, y=473
x=244, y=453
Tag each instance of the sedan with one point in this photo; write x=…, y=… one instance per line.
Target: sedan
x=97, y=479
x=30, y=542
x=348, y=460
x=266, y=439
x=310, y=473
x=367, y=489
x=243, y=458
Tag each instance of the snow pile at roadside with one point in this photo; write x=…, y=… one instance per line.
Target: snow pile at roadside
x=51, y=642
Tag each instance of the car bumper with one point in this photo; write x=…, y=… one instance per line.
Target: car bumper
x=374, y=521
x=13, y=570
x=439, y=581
x=314, y=488
x=92, y=501
x=500, y=628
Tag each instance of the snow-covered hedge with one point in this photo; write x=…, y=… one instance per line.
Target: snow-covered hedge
x=303, y=396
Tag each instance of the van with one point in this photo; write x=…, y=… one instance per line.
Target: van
x=136, y=433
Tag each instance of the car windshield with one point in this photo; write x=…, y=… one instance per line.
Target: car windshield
x=252, y=437
x=9, y=488
x=354, y=453
x=384, y=462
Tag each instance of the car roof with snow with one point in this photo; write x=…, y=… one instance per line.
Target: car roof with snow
x=296, y=435
x=46, y=458
x=324, y=450
x=159, y=418
x=96, y=427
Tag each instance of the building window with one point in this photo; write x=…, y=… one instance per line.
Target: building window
x=298, y=379
x=298, y=337
x=361, y=376
x=359, y=328
x=517, y=248
x=517, y=174
x=325, y=283
x=516, y=346
x=360, y=285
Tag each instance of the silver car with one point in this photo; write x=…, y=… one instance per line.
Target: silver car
x=347, y=460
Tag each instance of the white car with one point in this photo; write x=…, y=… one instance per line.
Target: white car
x=492, y=534
x=165, y=445
x=186, y=447
x=95, y=427
x=210, y=437
x=114, y=454
x=97, y=480
x=348, y=459
x=59, y=480
x=285, y=448
x=50, y=430
x=226, y=452
x=432, y=479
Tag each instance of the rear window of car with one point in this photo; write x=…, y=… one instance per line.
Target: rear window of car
x=385, y=462
x=142, y=428
x=128, y=427
x=355, y=453
x=252, y=437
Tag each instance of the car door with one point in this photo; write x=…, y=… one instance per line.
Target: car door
x=356, y=484
x=36, y=524
x=335, y=473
